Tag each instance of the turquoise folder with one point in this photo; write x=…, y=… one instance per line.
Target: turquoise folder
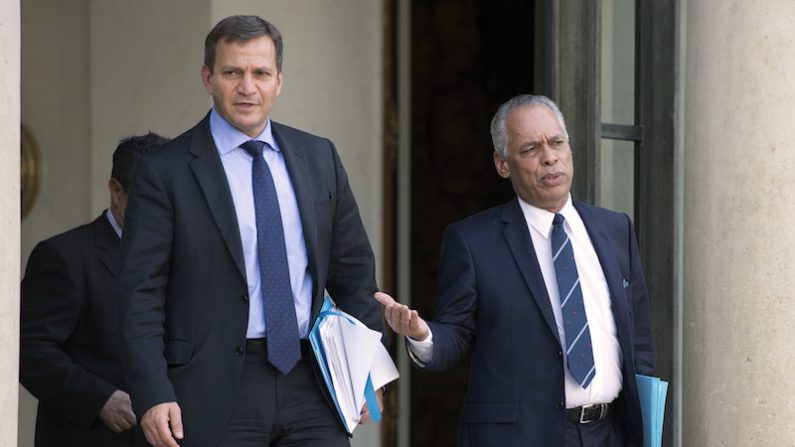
x=652, y=392
x=329, y=309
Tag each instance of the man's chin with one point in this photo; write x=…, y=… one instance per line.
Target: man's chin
x=249, y=127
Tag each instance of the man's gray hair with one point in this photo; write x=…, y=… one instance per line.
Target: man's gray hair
x=498, y=135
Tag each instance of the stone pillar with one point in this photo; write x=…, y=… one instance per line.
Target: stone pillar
x=9, y=218
x=739, y=244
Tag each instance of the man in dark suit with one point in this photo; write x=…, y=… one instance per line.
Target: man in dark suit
x=233, y=231
x=549, y=296
x=69, y=354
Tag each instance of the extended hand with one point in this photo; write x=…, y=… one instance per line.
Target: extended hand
x=162, y=425
x=379, y=394
x=117, y=413
x=401, y=319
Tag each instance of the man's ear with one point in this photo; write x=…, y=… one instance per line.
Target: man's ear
x=279, y=81
x=115, y=189
x=501, y=166
x=205, y=74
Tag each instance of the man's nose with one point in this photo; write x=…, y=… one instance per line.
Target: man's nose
x=246, y=84
x=548, y=155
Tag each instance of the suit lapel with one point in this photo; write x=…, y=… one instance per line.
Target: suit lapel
x=608, y=261
x=297, y=167
x=520, y=243
x=211, y=176
x=107, y=243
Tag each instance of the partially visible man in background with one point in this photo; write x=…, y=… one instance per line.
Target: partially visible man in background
x=69, y=334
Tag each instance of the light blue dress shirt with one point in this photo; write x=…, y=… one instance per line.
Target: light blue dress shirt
x=237, y=165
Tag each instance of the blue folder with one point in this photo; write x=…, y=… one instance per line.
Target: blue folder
x=329, y=310
x=652, y=392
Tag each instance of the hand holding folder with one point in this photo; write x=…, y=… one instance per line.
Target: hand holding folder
x=652, y=392
x=353, y=362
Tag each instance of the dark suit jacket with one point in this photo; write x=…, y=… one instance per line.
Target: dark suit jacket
x=493, y=300
x=184, y=299
x=69, y=354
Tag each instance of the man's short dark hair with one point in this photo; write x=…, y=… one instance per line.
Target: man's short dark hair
x=127, y=154
x=241, y=29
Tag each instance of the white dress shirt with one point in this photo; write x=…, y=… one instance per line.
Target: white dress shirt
x=237, y=165
x=113, y=223
x=607, y=383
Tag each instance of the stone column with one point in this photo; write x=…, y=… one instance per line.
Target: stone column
x=9, y=219
x=739, y=242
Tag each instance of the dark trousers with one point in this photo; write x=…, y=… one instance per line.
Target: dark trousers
x=608, y=432
x=275, y=410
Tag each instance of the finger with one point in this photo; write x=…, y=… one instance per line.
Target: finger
x=414, y=320
x=365, y=416
x=383, y=298
x=163, y=435
x=175, y=419
x=405, y=315
x=160, y=435
x=130, y=418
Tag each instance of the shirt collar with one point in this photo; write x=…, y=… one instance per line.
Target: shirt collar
x=541, y=219
x=113, y=223
x=228, y=138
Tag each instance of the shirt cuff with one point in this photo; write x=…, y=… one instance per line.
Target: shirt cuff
x=420, y=352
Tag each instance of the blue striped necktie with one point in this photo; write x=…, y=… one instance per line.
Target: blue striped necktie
x=579, y=353
x=283, y=344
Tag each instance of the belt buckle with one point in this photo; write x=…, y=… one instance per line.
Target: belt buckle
x=602, y=413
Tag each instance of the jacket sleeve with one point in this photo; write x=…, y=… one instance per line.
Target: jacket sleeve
x=454, y=322
x=145, y=260
x=644, y=350
x=52, y=298
x=351, y=267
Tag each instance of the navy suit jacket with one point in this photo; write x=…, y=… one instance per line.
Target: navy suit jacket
x=493, y=301
x=182, y=281
x=69, y=338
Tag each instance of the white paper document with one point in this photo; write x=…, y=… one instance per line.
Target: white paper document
x=352, y=352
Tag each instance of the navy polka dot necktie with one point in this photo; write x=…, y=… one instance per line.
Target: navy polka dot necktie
x=579, y=352
x=284, y=349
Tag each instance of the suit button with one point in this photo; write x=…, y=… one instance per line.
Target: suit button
x=240, y=350
x=559, y=354
x=560, y=405
x=244, y=298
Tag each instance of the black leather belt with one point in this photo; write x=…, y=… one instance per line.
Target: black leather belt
x=260, y=345
x=588, y=414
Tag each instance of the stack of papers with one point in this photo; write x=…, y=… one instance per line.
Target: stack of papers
x=353, y=362
x=652, y=393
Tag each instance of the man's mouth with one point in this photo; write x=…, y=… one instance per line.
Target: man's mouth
x=554, y=179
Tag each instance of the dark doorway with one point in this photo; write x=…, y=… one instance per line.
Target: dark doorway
x=468, y=56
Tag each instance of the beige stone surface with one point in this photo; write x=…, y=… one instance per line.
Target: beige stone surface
x=739, y=246
x=9, y=218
